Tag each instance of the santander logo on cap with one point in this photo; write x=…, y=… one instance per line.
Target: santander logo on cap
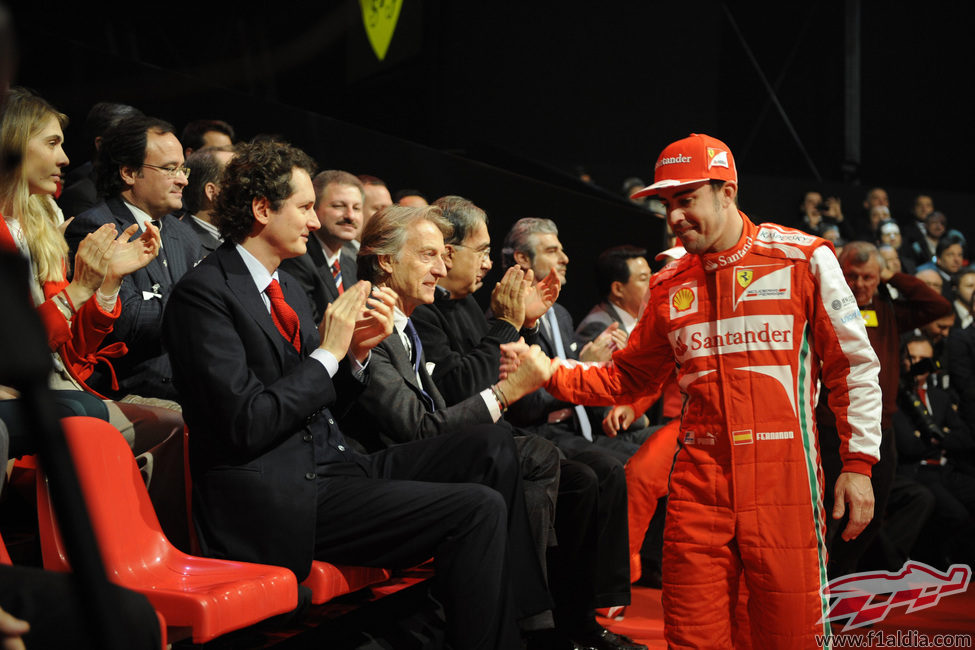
x=695, y=159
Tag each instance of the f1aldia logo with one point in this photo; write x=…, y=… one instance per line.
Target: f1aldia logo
x=865, y=598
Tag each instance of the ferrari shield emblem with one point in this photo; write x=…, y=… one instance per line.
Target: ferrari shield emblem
x=379, y=18
x=744, y=277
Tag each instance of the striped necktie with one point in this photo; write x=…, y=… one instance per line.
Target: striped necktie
x=337, y=276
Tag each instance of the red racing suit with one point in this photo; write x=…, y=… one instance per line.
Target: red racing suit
x=752, y=331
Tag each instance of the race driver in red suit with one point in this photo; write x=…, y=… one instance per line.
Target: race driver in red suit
x=754, y=318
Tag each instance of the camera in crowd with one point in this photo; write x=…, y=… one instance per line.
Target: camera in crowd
x=911, y=404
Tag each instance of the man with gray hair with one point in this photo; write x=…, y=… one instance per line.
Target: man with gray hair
x=327, y=269
x=870, y=279
x=533, y=244
x=200, y=194
x=589, y=568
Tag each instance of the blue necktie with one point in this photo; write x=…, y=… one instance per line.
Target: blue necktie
x=417, y=353
x=580, y=410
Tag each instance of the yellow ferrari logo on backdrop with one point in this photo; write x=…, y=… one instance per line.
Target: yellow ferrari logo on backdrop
x=744, y=277
x=379, y=18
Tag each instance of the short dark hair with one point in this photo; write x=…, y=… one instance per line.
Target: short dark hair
x=103, y=116
x=408, y=192
x=947, y=242
x=124, y=145
x=193, y=132
x=262, y=169
x=612, y=266
x=366, y=179
x=206, y=168
x=462, y=214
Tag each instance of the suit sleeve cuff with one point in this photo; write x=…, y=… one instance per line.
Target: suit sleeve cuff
x=327, y=359
x=492, y=404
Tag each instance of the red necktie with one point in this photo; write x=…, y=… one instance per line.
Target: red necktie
x=284, y=317
x=337, y=276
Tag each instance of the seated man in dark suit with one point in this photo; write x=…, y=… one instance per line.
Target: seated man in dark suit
x=274, y=479
x=590, y=567
x=206, y=166
x=622, y=278
x=328, y=268
x=534, y=244
x=141, y=175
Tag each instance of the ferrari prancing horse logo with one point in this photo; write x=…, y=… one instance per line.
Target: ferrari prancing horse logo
x=744, y=277
x=379, y=18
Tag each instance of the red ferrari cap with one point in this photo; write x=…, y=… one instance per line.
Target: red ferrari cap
x=695, y=159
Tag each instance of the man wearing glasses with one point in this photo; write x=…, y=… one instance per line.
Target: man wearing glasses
x=141, y=175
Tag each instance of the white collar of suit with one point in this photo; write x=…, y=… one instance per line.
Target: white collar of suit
x=140, y=215
x=207, y=226
x=330, y=256
x=258, y=273
x=627, y=321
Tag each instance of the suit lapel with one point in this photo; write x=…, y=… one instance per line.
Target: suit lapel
x=240, y=282
x=123, y=216
x=317, y=255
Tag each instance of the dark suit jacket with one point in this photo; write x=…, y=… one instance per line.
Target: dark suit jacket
x=208, y=243
x=462, y=344
x=79, y=193
x=315, y=277
x=598, y=319
x=391, y=409
x=145, y=369
x=257, y=411
x=533, y=409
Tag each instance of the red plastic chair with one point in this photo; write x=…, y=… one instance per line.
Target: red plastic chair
x=326, y=581
x=5, y=559
x=201, y=596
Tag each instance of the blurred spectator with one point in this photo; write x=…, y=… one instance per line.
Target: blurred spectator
x=80, y=192
x=200, y=195
x=912, y=225
x=935, y=446
x=375, y=197
x=949, y=259
x=931, y=277
x=964, y=288
x=885, y=319
x=206, y=133
x=890, y=235
x=410, y=198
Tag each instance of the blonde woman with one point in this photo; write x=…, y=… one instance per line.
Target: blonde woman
x=77, y=315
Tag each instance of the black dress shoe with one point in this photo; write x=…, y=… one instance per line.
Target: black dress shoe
x=606, y=640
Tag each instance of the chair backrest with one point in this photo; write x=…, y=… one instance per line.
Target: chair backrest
x=125, y=523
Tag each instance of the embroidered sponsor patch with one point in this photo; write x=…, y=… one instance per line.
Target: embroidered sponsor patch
x=767, y=282
x=838, y=304
x=683, y=300
x=745, y=333
x=742, y=437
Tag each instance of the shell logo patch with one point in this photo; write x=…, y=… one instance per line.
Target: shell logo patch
x=683, y=300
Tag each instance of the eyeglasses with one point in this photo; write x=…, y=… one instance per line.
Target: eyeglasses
x=484, y=252
x=172, y=172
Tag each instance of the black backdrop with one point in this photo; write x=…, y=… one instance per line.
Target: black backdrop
x=500, y=103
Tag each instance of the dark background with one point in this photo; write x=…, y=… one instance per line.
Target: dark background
x=502, y=103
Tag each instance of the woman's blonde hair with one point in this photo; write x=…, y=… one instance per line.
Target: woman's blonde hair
x=24, y=115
